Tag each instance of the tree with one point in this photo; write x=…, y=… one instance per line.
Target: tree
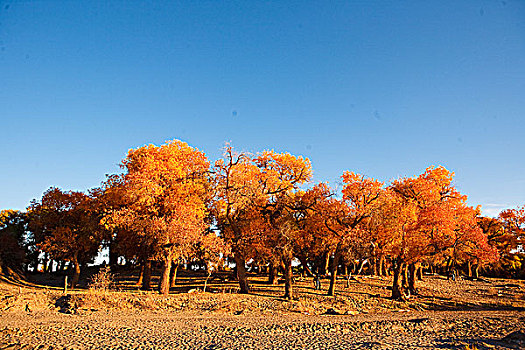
x=250, y=198
x=360, y=197
x=124, y=238
x=379, y=229
x=312, y=242
x=282, y=205
x=212, y=250
x=235, y=190
x=65, y=227
x=14, y=237
x=165, y=190
x=107, y=199
x=513, y=221
x=432, y=217
x=507, y=234
x=469, y=242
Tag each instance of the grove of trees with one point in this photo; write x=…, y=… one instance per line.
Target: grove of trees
x=172, y=206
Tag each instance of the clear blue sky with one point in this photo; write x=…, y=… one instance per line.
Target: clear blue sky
x=384, y=88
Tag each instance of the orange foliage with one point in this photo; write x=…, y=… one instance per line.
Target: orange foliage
x=433, y=219
x=251, y=199
x=65, y=225
x=164, y=195
x=166, y=200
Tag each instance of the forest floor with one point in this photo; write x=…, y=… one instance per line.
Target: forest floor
x=446, y=314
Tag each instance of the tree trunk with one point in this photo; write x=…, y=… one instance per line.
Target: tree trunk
x=241, y=273
x=404, y=275
x=380, y=263
x=397, y=288
x=333, y=271
x=272, y=274
x=164, y=283
x=476, y=271
x=44, y=264
x=206, y=281
x=141, y=274
x=173, y=275
x=419, y=272
x=306, y=269
x=360, y=266
x=448, y=268
x=146, y=277
x=373, y=266
x=469, y=269
x=60, y=266
x=288, y=278
x=112, y=255
x=76, y=272
x=412, y=278
x=326, y=263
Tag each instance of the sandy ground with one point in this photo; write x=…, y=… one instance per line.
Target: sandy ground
x=176, y=330
x=486, y=314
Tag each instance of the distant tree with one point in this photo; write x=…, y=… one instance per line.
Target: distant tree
x=470, y=243
x=15, y=244
x=66, y=227
x=323, y=229
x=513, y=221
x=493, y=229
x=379, y=229
x=313, y=242
x=507, y=234
x=212, y=250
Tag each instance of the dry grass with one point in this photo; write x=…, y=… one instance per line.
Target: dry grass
x=188, y=318
x=367, y=294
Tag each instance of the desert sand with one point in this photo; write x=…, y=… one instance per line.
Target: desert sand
x=484, y=314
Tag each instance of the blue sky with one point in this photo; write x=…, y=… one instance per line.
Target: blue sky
x=382, y=88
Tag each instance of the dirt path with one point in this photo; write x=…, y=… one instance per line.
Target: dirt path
x=184, y=330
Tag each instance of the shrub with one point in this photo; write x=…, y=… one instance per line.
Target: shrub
x=103, y=280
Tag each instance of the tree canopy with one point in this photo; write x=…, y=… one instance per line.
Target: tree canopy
x=171, y=205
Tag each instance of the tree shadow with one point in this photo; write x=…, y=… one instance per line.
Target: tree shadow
x=479, y=343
